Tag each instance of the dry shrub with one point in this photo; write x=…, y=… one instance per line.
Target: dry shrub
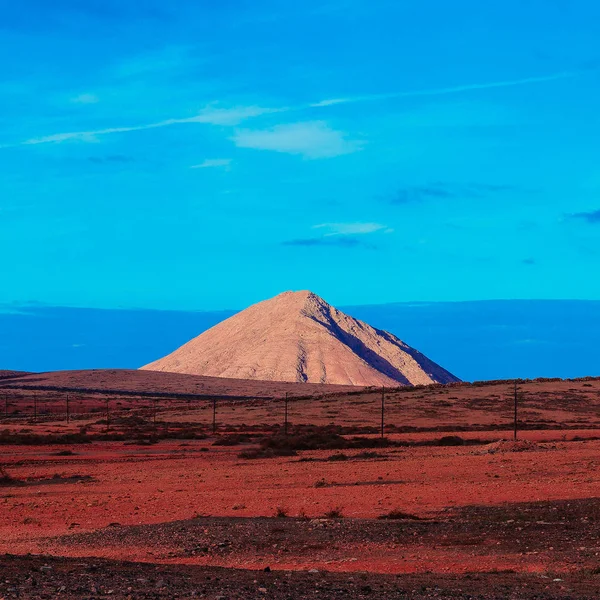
x=338, y=456
x=317, y=439
x=5, y=478
x=451, y=440
x=396, y=513
x=367, y=454
x=233, y=440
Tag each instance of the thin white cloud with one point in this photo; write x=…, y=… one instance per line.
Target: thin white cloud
x=85, y=99
x=214, y=115
x=233, y=116
x=210, y=115
x=330, y=102
x=311, y=139
x=450, y=90
x=351, y=228
x=209, y=163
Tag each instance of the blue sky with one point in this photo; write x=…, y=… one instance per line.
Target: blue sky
x=206, y=155
x=497, y=339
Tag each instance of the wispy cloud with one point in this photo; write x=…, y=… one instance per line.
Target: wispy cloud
x=214, y=115
x=112, y=158
x=342, y=235
x=311, y=139
x=336, y=242
x=234, y=116
x=330, y=102
x=350, y=228
x=592, y=216
x=211, y=115
x=209, y=163
x=85, y=99
x=444, y=191
x=420, y=193
x=457, y=89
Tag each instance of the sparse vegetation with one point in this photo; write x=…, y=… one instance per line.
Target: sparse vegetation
x=334, y=513
x=338, y=456
x=234, y=439
x=281, y=512
x=451, y=440
x=266, y=453
x=367, y=455
x=318, y=439
x=398, y=514
x=5, y=478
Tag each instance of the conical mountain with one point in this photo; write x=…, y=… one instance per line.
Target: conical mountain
x=297, y=336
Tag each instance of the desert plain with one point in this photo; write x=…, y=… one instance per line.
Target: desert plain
x=179, y=486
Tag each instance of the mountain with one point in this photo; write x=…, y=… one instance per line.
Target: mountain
x=297, y=336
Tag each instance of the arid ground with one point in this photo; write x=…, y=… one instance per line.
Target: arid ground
x=155, y=504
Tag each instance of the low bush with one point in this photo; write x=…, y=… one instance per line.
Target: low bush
x=337, y=457
x=398, y=514
x=369, y=455
x=266, y=453
x=234, y=439
x=5, y=478
x=451, y=440
x=317, y=439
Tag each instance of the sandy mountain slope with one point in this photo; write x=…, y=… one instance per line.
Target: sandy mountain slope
x=297, y=336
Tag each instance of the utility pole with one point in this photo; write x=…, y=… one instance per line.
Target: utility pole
x=285, y=425
x=214, y=415
x=68, y=415
x=382, y=409
x=516, y=402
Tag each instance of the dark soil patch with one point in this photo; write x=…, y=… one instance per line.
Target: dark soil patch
x=47, y=577
x=558, y=529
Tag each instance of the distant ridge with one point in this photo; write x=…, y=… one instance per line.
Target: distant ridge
x=298, y=337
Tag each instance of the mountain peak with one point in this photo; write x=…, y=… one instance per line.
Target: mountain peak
x=297, y=336
x=301, y=296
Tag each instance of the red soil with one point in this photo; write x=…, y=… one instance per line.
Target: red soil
x=482, y=508
x=542, y=404
x=174, y=481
